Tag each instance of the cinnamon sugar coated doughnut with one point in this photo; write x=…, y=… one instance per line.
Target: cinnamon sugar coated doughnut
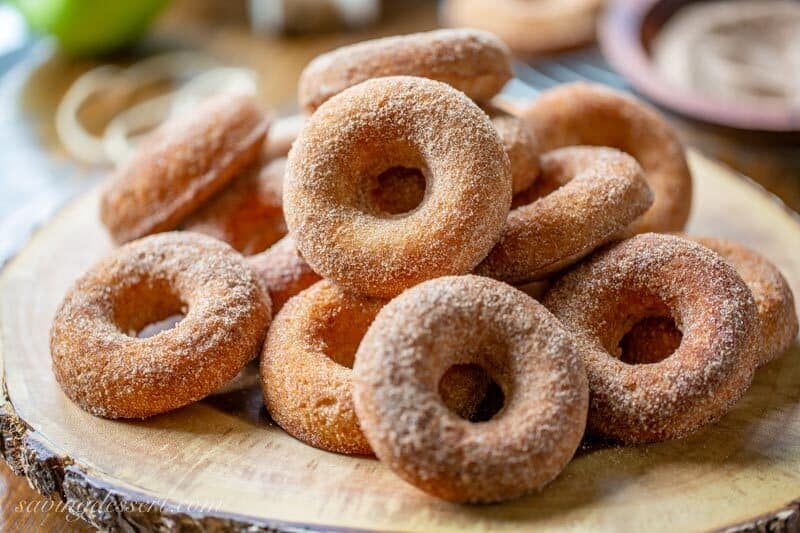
x=459, y=320
x=106, y=370
x=377, y=125
x=528, y=27
x=306, y=362
x=777, y=316
x=474, y=62
x=586, y=195
x=283, y=271
x=181, y=165
x=248, y=213
x=655, y=275
x=589, y=114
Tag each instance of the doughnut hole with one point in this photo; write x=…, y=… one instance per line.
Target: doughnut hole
x=392, y=186
x=555, y=173
x=650, y=340
x=646, y=333
x=469, y=391
x=397, y=190
x=147, y=308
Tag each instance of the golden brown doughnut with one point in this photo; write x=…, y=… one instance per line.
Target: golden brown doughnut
x=653, y=275
x=377, y=125
x=474, y=62
x=181, y=165
x=248, y=213
x=459, y=320
x=306, y=362
x=586, y=195
x=283, y=271
x=776, y=312
x=589, y=114
x=528, y=27
x=106, y=370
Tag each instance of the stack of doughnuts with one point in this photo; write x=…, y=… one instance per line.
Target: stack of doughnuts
x=420, y=221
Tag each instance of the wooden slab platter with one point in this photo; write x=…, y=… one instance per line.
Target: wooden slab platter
x=223, y=464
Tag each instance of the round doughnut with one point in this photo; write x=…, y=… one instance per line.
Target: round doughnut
x=528, y=27
x=103, y=367
x=283, y=271
x=653, y=275
x=248, y=213
x=474, y=62
x=306, y=369
x=181, y=165
x=306, y=362
x=586, y=195
x=777, y=316
x=589, y=114
x=380, y=124
x=520, y=145
x=459, y=320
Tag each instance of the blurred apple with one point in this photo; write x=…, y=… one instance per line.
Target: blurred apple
x=91, y=27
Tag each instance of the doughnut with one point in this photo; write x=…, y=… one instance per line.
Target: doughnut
x=474, y=62
x=282, y=133
x=777, y=317
x=306, y=369
x=589, y=114
x=586, y=195
x=182, y=164
x=528, y=28
x=654, y=275
x=248, y=213
x=283, y=271
x=101, y=364
x=520, y=145
x=381, y=124
x=457, y=320
x=306, y=366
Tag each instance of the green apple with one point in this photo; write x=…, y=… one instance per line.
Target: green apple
x=91, y=27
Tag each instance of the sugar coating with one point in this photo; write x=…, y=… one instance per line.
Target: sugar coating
x=363, y=131
x=603, y=297
x=473, y=61
x=107, y=371
x=248, y=213
x=583, y=198
x=283, y=271
x=590, y=114
x=181, y=165
x=461, y=320
x=777, y=316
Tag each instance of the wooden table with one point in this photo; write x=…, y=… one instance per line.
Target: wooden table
x=770, y=160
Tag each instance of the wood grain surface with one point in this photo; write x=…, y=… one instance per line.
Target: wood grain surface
x=223, y=462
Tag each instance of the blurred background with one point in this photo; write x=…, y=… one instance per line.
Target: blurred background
x=82, y=80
